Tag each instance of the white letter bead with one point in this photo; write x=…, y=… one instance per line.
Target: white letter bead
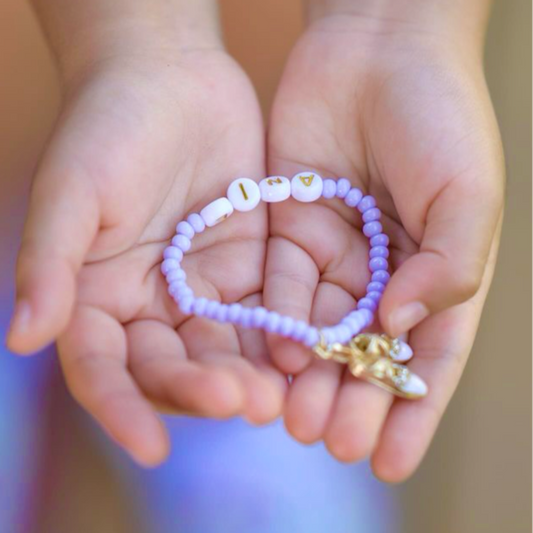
x=306, y=187
x=216, y=211
x=244, y=194
x=275, y=189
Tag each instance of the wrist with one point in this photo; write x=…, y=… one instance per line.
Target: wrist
x=84, y=34
x=454, y=23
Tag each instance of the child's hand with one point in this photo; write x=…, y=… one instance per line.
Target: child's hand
x=157, y=120
x=405, y=114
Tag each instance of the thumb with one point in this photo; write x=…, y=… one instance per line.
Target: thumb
x=61, y=224
x=448, y=269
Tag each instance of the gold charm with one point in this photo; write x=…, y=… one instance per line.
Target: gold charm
x=371, y=357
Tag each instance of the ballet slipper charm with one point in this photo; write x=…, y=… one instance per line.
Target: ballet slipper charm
x=369, y=358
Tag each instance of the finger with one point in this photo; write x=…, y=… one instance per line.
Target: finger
x=93, y=357
x=217, y=346
x=453, y=254
x=312, y=392
x=158, y=362
x=441, y=346
x=291, y=277
x=61, y=224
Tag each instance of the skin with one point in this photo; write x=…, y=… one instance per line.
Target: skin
x=408, y=119
x=145, y=135
x=389, y=94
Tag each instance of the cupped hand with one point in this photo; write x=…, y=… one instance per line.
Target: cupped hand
x=144, y=139
x=406, y=117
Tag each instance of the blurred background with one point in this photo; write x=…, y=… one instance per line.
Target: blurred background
x=59, y=474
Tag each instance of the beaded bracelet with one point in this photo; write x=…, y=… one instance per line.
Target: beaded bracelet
x=372, y=357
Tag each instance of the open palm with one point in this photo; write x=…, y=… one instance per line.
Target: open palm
x=140, y=144
x=416, y=130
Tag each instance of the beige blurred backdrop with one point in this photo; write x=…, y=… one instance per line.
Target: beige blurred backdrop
x=476, y=476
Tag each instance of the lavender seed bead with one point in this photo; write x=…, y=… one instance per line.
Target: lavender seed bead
x=353, y=197
x=355, y=325
x=286, y=326
x=272, y=322
x=176, y=274
x=259, y=316
x=172, y=252
x=222, y=313
x=329, y=188
x=343, y=334
x=379, y=251
x=184, y=228
x=211, y=309
x=169, y=264
x=343, y=186
x=183, y=292
x=367, y=316
x=199, y=306
x=299, y=331
x=372, y=228
x=186, y=305
x=378, y=263
x=367, y=303
x=182, y=242
x=234, y=313
x=328, y=335
x=368, y=202
x=246, y=317
x=175, y=286
x=197, y=222
x=374, y=295
x=379, y=240
x=375, y=286
x=371, y=215
x=311, y=337
x=381, y=275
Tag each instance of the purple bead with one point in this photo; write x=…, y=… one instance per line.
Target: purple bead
x=172, y=252
x=175, y=286
x=186, y=305
x=169, y=264
x=222, y=313
x=378, y=263
x=374, y=295
x=182, y=242
x=272, y=322
x=176, y=274
x=379, y=240
x=234, y=313
x=342, y=333
x=353, y=198
x=381, y=275
x=372, y=228
x=367, y=316
x=183, y=292
x=299, y=331
x=367, y=303
x=343, y=186
x=354, y=323
x=199, y=306
x=197, y=222
x=211, y=309
x=246, y=317
x=371, y=215
x=368, y=202
x=379, y=251
x=375, y=286
x=259, y=316
x=329, y=188
x=184, y=228
x=286, y=326
x=311, y=337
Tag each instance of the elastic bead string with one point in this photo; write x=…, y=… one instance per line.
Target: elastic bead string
x=243, y=195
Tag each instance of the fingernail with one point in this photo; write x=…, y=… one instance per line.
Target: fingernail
x=406, y=317
x=20, y=322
